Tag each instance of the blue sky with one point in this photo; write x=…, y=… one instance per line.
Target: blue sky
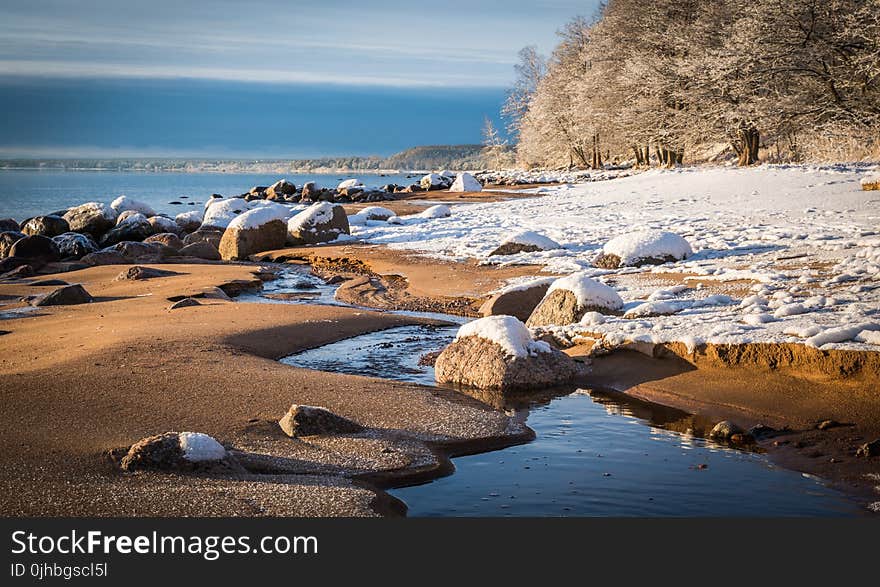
x=258, y=78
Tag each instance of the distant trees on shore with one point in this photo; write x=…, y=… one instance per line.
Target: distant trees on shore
x=663, y=81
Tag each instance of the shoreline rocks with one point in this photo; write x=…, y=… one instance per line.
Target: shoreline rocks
x=321, y=222
x=568, y=299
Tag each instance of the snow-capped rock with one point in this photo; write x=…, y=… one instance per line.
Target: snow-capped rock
x=569, y=298
x=465, y=182
x=123, y=203
x=651, y=247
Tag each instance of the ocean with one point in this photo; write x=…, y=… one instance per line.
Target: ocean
x=27, y=193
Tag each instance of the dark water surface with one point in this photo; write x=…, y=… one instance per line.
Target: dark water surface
x=595, y=453
x=26, y=193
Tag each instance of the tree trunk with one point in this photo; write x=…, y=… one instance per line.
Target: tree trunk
x=749, y=140
x=639, y=160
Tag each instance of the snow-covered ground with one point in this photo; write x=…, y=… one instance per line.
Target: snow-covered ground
x=800, y=244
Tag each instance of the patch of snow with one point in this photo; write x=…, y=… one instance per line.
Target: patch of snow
x=191, y=216
x=592, y=319
x=198, y=447
x=647, y=244
x=350, y=183
x=437, y=211
x=507, y=332
x=221, y=212
x=258, y=217
x=123, y=203
x=588, y=291
x=840, y=334
x=530, y=237
x=655, y=308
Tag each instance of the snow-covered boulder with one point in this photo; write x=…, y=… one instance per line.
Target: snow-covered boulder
x=310, y=190
x=48, y=226
x=189, y=221
x=498, y=352
x=123, y=203
x=569, y=298
x=871, y=182
x=436, y=181
x=525, y=242
x=518, y=301
x=133, y=227
x=162, y=224
x=74, y=245
x=647, y=247
x=371, y=213
x=437, y=211
x=221, y=212
x=465, y=182
x=175, y=451
x=348, y=184
x=280, y=190
x=312, y=420
x=92, y=218
x=262, y=229
x=319, y=223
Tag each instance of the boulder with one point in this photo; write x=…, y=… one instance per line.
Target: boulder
x=212, y=236
x=260, y=229
x=174, y=451
x=91, y=218
x=310, y=191
x=138, y=272
x=321, y=222
x=280, y=190
x=68, y=295
x=135, y=227
x=169, y=239
x=105, y=257
x=7, y=239
x=437, y=181
x=125, y=215
x=163, y=224
x=35, y=248
x=525, y=242
x=74, y=245
x=201, y=250
x=498, y=353
x=869, y=449
x=8, y=225
x=370, y=213
x=189, y=221
x=725, y=430
x=45, y=225
x=124, y=203
x=134, y=251
x=518, y=301
x=19, y=272
x=184, y=303
x=569, y=298
x=647, y=247
x=465, y=182
x=313, y=420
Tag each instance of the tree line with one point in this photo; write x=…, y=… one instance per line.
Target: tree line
x=665, y=81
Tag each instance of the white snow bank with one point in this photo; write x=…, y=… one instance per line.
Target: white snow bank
x=199, y=447
x=529, y=237
x=646, y=244
x=465, y=182
x=221, y=212
x=868, y=336
x=840, y=334
x=654, y=308
x=507, y=332
x=258, y=217
x=123, y=203
x=870, y=179
x=588, y=291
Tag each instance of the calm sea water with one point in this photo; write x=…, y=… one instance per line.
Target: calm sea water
x=26, y=193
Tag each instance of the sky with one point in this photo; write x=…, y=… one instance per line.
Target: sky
x=261, y=77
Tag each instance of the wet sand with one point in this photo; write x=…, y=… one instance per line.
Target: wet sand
x=80, y=381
